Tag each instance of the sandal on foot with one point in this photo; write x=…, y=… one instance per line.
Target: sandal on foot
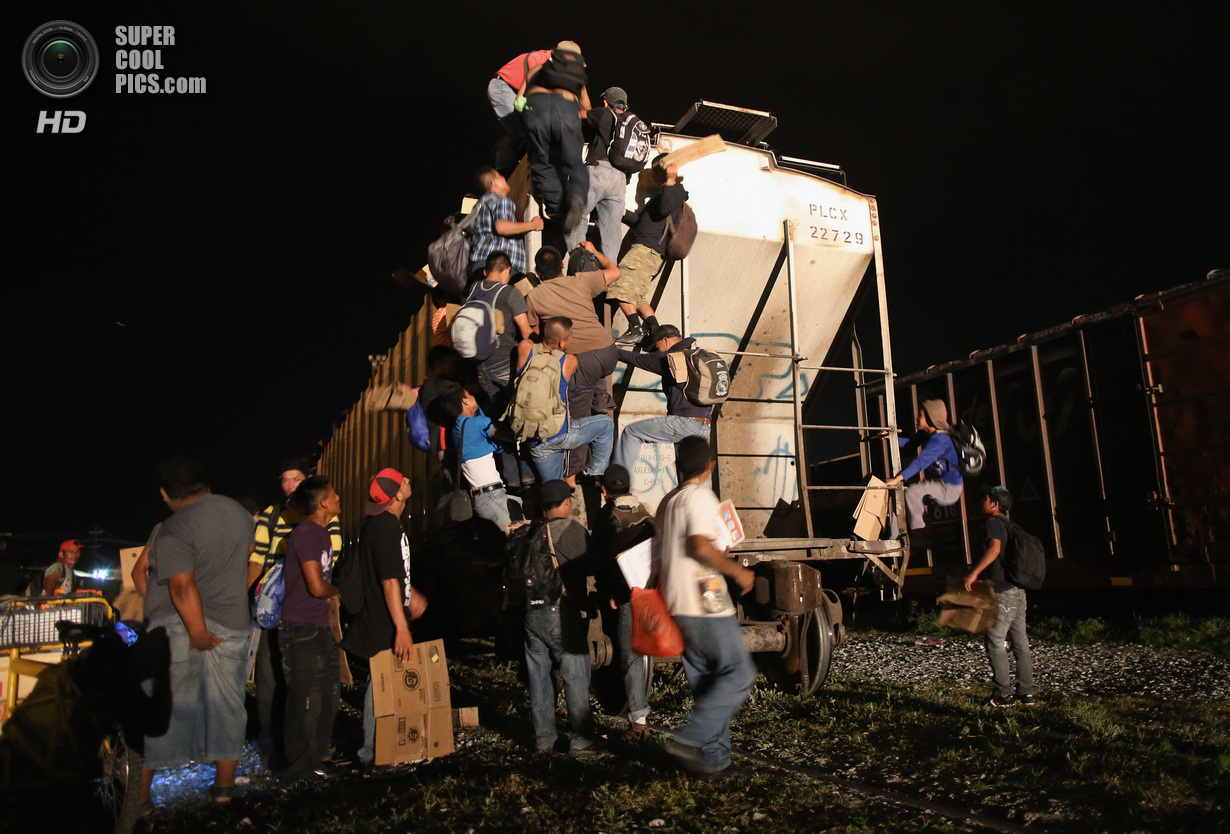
x=220, y=794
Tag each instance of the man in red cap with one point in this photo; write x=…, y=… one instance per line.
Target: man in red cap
x=59, y=577
x=383, y=621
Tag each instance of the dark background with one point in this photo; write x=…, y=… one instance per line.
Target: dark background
x=209, y=273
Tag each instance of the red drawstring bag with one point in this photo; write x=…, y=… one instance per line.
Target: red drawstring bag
x=654, y=633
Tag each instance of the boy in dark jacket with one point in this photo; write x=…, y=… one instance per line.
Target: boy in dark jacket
x=622, y=523
x=684, y=418
x=644, y=257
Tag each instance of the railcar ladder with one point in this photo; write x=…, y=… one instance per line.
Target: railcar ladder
x=881, y=554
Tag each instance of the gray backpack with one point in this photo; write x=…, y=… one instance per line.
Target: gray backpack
x=449, y=255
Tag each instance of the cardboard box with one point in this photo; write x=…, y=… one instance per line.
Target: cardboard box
x=973, y=611
x=414, y=716
x=871, y=514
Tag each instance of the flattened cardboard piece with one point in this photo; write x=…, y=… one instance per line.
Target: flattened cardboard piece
x=129, y=605
x=974, y=611
x=421, y=684
x=678, y=363
x=872, y=511
x=697, y=150
x=401, y=738
x=417, y=719
x=335, y=627
x=128, y=560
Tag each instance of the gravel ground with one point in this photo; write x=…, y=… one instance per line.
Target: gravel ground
x=1060, y=669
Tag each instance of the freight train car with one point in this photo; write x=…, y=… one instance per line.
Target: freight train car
x=784, y=252
x=1113, y=433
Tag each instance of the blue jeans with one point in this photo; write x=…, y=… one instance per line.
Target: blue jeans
x=668, y=429
x=493, y=506
x=557, y=163
x=548, y=639
x=608, y=193
x=721, y=675
x=597, y=430
x=1010, y=626
x=367, y=753
x=208, y=718
x=310, y=660
x=634, y=666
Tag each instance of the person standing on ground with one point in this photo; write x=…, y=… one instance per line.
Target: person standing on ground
x=390, y=601
x=196, y=592
x=623, y=522
x=695, y=566
x=1010, y=625
x=309, y=653
x=273, y=528
x=556, y=631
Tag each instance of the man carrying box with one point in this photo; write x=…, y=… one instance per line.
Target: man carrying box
x=383, y=621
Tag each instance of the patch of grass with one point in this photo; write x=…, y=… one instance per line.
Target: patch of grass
x=1174, y=631
x=1087, y=763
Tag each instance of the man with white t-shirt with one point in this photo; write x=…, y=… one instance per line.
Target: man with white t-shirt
x=695, y=566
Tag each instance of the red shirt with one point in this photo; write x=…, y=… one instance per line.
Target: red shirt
x=513, y=72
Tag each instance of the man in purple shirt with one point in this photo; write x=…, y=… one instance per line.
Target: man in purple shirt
x=309, y=652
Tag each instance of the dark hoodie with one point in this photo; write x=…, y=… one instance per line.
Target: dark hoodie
x=677, y=403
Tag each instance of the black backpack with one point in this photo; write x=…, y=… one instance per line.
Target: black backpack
x=1025, y=561
x=708, y=381
x=971, y=454
x=350, y=577
x=629, y=143
x=531, y=571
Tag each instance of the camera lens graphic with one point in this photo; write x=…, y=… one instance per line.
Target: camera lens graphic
x=60, y=59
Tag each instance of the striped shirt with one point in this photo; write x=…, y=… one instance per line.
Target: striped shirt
x=272, y=532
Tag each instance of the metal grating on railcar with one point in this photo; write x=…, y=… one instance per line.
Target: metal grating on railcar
x=735, y=124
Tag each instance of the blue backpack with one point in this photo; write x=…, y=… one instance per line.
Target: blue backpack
x=268, y=596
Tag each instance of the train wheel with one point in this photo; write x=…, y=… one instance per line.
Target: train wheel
x=117, y=789
x=804, y=667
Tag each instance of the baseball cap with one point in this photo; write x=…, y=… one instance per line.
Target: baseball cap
x=616, y=97
x=553, y=492
x=1000, y=495
x=382, y=490
x=71, y=544
x=616, y=478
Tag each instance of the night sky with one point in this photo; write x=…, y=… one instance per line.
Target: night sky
x=210, y=272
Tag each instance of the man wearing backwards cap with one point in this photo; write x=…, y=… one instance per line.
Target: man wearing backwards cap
x=59, y=577
x=937, y=456
x=608, y=186
x=383, y=622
